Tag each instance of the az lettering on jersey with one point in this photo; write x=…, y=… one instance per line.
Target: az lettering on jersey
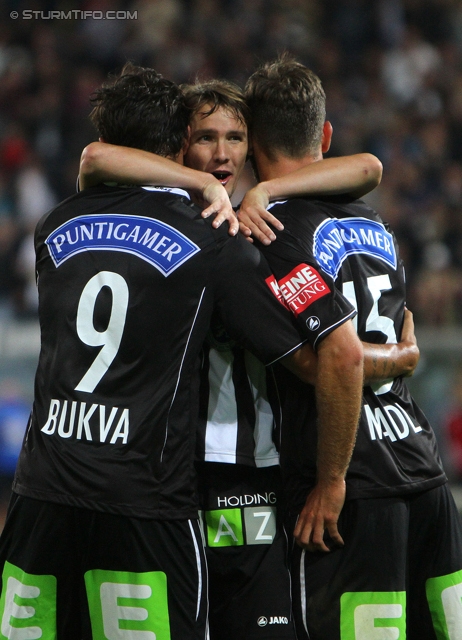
x=334, y=240
x=299, y=288
x=152, y=240
x=81, y=422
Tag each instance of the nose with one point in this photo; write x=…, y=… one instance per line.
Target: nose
x=221, y=152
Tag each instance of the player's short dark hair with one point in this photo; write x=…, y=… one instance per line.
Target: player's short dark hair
x=141, y=109
x=288, y=107
x=217, y=93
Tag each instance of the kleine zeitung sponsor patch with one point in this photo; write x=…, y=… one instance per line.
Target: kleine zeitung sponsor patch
x=299, y=288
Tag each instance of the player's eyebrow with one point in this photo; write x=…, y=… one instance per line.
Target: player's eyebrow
x=233, y=132
x=202, y=131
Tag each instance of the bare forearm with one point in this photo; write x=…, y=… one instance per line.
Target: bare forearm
x=338, y=398
x=387, y=361
x=337, y=372
x=303, y=363
x=101, y=162
x=356, y=175
x=381, y=362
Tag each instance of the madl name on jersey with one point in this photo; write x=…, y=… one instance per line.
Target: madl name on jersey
x=334, y=240
x=151, y=240
x=389, y=421
x=95, y=422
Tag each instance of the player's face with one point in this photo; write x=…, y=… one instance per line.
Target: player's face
x=218, y=144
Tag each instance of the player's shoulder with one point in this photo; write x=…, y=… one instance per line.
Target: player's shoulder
x=344, y=206
x=317, y=209
x=293, y=206
x=300, y=217
x=300, y=210
x=129, y=200
x=236, y=249
x=148, y=217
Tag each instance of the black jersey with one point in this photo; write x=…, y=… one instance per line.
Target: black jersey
x=396, y=450
x=128, y=279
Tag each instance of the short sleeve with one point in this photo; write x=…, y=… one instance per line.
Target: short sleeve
x=298, y=279
x=250, y=311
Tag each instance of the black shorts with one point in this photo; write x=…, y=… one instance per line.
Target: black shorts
x=401, y=567
x=247, y=552
x=75, y=574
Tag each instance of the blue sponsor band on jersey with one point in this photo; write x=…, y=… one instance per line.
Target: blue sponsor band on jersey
x=158, y=243
x=334, y=240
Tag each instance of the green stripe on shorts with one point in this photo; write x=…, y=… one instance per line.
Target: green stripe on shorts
x=444, y=595
x=363, y=614
x=126, y=604
x=27, y=605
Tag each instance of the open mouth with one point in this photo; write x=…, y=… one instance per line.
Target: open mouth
x=222, y=176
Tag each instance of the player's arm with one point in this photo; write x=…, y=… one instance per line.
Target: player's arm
x=303, y=363
x=381, y=361
x=102, y=162
x=355, y=175
x=388, y=361
x=339, y=383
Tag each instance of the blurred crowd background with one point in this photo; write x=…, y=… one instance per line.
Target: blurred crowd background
x=392, y=71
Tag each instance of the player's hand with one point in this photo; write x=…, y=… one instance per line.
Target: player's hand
x=214, y=194
x=407, y=333
x=254, y=218
x=319, y=516
x=408, y=338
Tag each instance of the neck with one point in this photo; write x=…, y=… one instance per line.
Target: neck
x=281, y=165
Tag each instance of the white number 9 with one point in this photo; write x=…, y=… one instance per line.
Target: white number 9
x=111, y=337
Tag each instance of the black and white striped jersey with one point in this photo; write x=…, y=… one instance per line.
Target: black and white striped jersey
x=396, y=450
x=240, y=410
x=240, y=407
x=128, y=279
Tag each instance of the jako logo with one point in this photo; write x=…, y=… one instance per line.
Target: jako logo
x=313, y=323
x=262, y=621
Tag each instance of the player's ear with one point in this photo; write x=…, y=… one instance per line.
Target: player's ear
x=326, y=136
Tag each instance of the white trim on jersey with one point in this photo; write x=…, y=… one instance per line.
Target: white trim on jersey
x=287, y=353
x=303, y=590
x=174, y=190
x=180, y=371
x=272, y=204
x=288, y=544
x=200, y=521
x=199, y=570
x=332, y=327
